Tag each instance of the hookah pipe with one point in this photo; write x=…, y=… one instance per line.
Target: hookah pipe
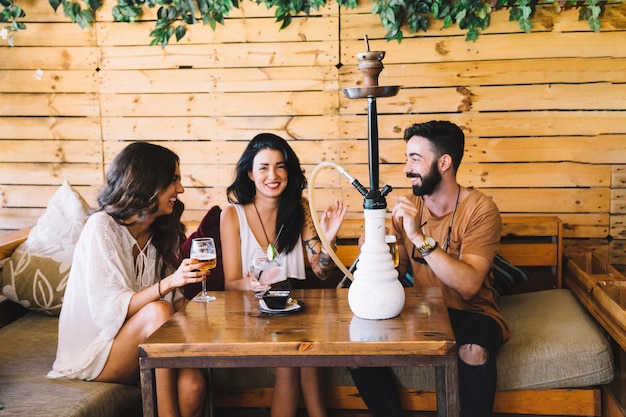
x=372, y=198
x=376, y=293
x=356, y=184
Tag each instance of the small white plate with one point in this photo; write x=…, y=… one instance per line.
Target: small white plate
x=291, y=307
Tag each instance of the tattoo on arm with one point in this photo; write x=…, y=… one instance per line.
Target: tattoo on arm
x=312, y=243
x=321, y=263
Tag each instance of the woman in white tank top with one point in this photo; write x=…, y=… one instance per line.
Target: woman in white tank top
x=267, y=208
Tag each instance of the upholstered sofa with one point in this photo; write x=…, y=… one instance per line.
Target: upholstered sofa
x=554, y=363
x=34, y=274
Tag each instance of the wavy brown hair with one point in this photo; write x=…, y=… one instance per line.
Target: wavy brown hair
x=135, y=178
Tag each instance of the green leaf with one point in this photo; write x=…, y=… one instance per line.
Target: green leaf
x=525, y=24
x=180, y=32
x=94, y=5
x=55, y=4
x=472, y=34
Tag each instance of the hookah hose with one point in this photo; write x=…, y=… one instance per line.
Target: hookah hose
x=316, y=221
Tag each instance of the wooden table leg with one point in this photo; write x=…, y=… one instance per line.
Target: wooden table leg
x=148, y=389
x=447, y=389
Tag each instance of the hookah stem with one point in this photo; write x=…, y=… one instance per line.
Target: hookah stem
x=372, y=115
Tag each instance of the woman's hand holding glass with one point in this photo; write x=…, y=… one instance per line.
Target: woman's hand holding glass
x=203, y=251
x=264, y=272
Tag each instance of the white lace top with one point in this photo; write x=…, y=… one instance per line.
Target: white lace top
x=102, y=280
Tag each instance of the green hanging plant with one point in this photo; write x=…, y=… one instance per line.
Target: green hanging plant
x=173, y=16
x=10, y=14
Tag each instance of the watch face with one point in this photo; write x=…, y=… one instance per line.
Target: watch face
x=430, y=242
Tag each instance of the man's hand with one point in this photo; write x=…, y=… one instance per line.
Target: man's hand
x=406, y=212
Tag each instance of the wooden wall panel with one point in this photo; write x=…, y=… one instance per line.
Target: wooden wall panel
x=49, y=128
x=544, y=113
x=315, y=28
x=315, y=53
x=60, y=81
x=54, y=34
x=306, y=103
x=234, y=80
x=219, y=128
x=47, y=58
x=50, y=151
x=61, y=105
x=356, y=22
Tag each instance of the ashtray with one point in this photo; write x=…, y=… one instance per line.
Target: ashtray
x=292, y=306
x=276, y=299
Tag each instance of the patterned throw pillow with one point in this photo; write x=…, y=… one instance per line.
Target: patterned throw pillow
x=36, y=274
x=506, y=274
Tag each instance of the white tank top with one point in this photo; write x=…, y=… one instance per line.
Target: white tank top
x=295, y=258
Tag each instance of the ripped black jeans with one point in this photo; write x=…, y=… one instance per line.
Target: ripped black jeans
x=477, y=383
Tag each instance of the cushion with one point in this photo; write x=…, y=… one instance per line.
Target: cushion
x=36, y=274
x=505, y=274
x=209, y=227
x=554, y=343
x=25, y=390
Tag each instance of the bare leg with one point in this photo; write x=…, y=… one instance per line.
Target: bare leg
x=286, y=392
x=180, y=392
x=123, y=364
x=192, y=389
x=167, y=401
x=313, y=391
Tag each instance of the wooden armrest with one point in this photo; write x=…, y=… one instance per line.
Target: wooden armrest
x=12, y=240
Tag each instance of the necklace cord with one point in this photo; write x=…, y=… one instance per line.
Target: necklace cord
x=261, y=221
x=422, y=224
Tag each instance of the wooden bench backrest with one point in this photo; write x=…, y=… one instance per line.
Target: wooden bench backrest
x=12, y=240
x=527, y=241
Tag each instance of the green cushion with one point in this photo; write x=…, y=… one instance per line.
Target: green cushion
x=554, y=343
x=26, y=355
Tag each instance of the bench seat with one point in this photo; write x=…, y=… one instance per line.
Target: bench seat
x=27, y=350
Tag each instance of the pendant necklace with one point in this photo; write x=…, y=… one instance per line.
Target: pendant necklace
x=271, y=247
x=446, y=244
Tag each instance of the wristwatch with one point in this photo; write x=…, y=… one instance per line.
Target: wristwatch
x=428, y=246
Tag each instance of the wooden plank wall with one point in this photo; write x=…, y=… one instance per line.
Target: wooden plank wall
x=544, y=113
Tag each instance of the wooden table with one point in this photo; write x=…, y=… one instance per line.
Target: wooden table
x=231, y=332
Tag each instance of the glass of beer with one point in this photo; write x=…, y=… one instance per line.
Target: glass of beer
x=391, y=241
x=203, y=251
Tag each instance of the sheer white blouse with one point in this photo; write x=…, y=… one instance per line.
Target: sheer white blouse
x=102, y=281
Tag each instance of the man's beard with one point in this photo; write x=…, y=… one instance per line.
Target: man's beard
x=430, y=182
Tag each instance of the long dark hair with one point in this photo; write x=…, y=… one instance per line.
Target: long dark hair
x=290, y=209
x=135, y=178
